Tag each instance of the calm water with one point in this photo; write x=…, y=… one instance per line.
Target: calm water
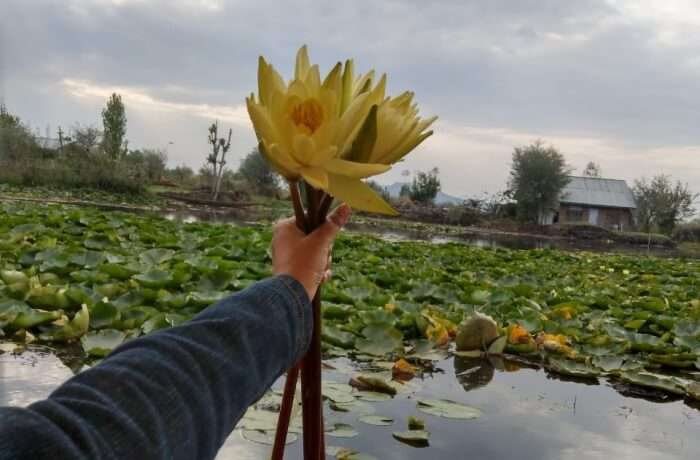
x=240, y=217
x=527, y=414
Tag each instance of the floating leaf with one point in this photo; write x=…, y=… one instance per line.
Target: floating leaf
x=342, y=430
x=415, y=438
x=101, y=343
x=447, y=408
x=265, y=437
x=377, y=420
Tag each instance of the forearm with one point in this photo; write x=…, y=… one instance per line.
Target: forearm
x=177, y=393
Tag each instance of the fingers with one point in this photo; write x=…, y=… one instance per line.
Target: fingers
x=327, y=232
x=287, y=225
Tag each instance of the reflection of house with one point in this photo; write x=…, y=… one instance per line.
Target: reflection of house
x=605, y=202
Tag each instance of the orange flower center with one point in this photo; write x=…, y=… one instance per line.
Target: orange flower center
x=308, y=115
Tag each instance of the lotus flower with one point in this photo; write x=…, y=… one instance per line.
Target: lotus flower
x=335, y=132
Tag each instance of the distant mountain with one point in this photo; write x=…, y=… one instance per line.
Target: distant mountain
x=441, y=198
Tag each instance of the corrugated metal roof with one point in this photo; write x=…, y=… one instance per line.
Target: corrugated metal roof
x=592, y=191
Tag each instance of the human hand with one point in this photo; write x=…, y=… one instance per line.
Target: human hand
x=306, y=258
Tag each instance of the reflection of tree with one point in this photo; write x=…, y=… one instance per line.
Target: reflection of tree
x=473, y=373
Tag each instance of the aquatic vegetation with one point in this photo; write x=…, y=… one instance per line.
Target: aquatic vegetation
x=636, y=319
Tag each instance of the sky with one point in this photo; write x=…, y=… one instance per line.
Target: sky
x=616, y=82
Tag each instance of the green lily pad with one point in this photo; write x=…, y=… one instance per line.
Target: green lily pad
x=377, y=420
x=448, y=409
x=415, y=438
x=342, y=430
x=266, y=437
x=154, y=279
x=101, y=343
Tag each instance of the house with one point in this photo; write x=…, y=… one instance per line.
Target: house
x=607, y=203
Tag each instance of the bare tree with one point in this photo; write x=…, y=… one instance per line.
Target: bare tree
x=86, y=137
x=217, y=158
x=593, y=170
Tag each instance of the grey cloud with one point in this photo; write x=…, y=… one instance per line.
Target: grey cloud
x=551, y=68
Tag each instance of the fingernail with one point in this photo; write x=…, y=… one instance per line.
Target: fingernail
x=342, y=215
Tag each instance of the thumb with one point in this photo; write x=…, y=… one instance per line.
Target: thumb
x=327, y=232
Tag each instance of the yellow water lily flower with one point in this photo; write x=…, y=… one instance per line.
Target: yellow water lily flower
x=301, y=130
x=334, y=132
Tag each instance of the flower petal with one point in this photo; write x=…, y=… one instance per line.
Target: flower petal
x=315, y=177
x=358, y=195
x=353, y=169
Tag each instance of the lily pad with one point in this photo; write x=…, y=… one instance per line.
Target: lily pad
x=448, y=409
x=377, y=420
x=342, y=430
x=266, y=437
x=101, y=343
x=415, y=438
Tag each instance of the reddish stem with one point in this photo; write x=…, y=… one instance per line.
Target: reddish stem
x=311, y=366
x=293, y=374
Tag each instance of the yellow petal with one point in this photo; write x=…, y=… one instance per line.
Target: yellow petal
x=280, y=161
x=262, y=123
x=304, y=149
x=353, y=169
x=315, y=177
x=332, y=80
x=358, y=195
x=348, y=75
x=302, y=64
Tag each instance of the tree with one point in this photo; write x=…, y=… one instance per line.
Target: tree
x=593, y=170
x=661, y=204
x=217, y=158
x=425, y=186
x=538, y=175
x=181, y=174
x=16, y=141
x=114, y=127
x=257, y=172
x=85, y=137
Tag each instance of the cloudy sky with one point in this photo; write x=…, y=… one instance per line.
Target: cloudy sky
x=612, y=81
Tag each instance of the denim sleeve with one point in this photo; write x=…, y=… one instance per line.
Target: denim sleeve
x=174, y=394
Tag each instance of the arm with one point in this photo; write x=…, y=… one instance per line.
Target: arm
x=176, y=393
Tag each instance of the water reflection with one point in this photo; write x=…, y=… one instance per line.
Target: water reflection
x=527, y=413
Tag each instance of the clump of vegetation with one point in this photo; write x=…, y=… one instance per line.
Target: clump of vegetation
x=256, y=171
x=87, y=159
x=687, y=232
x=537, y=177
x=137, y=274
x=424, y=187
x=661, y=205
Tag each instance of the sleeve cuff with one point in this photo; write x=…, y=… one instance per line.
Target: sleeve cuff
x=299, y=299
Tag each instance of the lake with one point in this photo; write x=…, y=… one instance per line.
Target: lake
x=527, y=414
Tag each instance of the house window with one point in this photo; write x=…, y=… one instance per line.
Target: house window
x=575, y=214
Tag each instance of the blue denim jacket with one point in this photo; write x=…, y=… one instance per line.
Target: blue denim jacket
x=174, y=394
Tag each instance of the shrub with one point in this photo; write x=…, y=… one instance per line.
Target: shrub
x=687, y=232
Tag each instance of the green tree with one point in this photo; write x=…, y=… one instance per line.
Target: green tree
x=16, y=141
x=661, y=205
x=181, y=174
x=114, y=127
x=257, y=173
x=425, y=186
x=538, y=174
